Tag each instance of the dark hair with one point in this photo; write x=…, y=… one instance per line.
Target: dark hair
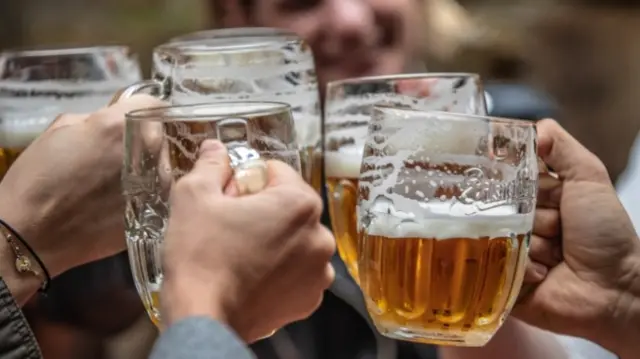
x=247, y=6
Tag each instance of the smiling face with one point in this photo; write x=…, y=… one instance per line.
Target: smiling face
x=350, y=38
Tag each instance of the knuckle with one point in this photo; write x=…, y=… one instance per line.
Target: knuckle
x=192, y=185
x=304, y=202
x=109, y=121
x=326, y=246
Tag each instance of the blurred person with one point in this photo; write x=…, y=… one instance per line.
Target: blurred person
x=350, y=39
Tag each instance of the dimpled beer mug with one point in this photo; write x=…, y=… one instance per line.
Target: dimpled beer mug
x=445, y=213
x=36, y=85
x=348, y=108
x=161, y=145
x=246, y=64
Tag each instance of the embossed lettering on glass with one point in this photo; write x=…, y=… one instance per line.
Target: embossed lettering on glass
x=161, y=145
x=348, y=108
x=37, y=85
x=254, y=64
x=445, y=213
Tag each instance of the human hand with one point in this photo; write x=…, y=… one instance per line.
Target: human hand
x=594, y=292
x=256, y=262
x=63, y=194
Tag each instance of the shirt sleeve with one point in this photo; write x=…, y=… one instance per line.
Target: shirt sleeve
x=628, y=185
x=200, y=338
x=578, y=348
x=17, y=339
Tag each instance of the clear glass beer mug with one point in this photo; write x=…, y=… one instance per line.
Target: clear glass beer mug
x=161, y=146
x=445, y=214
x=348, y=108
x=254, y=64
x=36, y=85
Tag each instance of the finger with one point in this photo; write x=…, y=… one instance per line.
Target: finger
x=566, y=155
x=213, y=164
x=549, y=198
x=280, y=173
x=535, y=272
x=117, y=111
x=546, y=223
x=67, y=119
x=545, y=251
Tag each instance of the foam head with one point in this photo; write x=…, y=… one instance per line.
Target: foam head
x=18, y=133
x=343, y=163
x=445, y=220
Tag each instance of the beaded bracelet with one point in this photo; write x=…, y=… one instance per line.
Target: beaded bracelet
x=23, y=262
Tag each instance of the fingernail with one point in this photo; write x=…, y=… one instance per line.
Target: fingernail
x=211, y=146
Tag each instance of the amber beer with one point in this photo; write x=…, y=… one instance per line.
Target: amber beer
x=311, y=166
x=342, y=169
x=447, y=279
x=12, y=143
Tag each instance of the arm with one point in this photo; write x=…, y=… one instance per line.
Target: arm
x=199, y=338
x=514, y=340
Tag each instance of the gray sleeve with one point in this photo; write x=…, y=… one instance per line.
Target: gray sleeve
x=200, y=338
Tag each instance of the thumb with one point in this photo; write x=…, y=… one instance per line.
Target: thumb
x=566, y=156
x=213, y=163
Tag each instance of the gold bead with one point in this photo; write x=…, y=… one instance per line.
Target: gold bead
x=23, y=264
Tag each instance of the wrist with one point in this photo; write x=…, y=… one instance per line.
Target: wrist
x=621, y=329
x=21, y=285
x=183, y=297
x=30, y=227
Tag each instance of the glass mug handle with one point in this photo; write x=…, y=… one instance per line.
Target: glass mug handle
x=548, y=180
x=250, y=171
x=154, y=87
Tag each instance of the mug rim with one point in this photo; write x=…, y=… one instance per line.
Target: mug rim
x=410, y=76
x=219, y=40
x=168, y=113
x=61, y=50
x=454, y=116
x=238, y=32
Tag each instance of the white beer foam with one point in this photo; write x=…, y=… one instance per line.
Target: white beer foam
x=446, y=220
x=344, y=163
x=19, y=133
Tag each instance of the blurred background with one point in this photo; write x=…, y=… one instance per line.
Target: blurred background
x=579, y=59
x=575, y=60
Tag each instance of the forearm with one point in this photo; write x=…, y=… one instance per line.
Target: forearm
x=620, y=330
x=514, y=340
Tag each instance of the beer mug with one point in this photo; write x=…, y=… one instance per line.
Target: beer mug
x=255, y=64
x=348, y=108
x=161, y=145
x=445, y=213
x=37, y=85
